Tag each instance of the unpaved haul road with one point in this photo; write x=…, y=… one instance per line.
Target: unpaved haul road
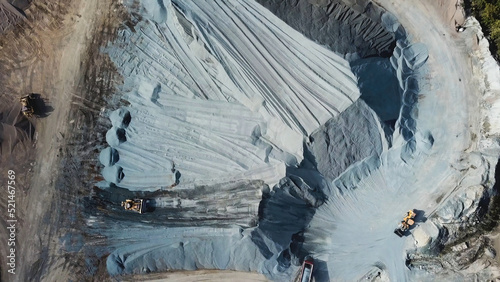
x=452, y=112
x=52, y=68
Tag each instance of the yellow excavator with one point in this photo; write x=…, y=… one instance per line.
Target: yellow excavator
x=405, y=225
x=137, y=205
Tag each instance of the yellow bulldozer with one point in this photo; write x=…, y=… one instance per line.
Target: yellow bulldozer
x=137, y=205
x=27, y=103
x=406, y=224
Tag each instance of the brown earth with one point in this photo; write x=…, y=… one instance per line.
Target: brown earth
x=54, y=53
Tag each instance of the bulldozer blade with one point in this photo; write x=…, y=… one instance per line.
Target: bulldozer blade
x=398, y=232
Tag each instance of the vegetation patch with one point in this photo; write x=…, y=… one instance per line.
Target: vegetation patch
x=488, y=14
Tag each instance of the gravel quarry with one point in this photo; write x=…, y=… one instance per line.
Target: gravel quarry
x=259, y=133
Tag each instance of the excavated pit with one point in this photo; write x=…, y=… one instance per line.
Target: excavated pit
x=280, y=141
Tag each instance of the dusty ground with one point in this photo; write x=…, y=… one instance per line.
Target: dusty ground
x=54, y=54
x=199, y=275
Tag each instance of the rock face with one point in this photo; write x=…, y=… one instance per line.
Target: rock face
x=344, y=26
x=488, y=71
x=460, y=262
x=464, y=206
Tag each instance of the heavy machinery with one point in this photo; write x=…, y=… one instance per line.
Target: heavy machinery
x=405, y=225
x=28, y=105
x=307, y=269
x=137, y=205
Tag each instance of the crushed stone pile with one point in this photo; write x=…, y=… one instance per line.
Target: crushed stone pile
x=226, y=92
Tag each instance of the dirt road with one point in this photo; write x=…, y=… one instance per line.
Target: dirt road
x=48, y=54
